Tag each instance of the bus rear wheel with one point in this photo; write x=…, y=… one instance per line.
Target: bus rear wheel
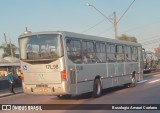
x=97, y=88
x=64, y=96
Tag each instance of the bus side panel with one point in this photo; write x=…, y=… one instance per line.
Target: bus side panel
x=120, y=68
x=125, y=79
x=136, y=69
x=129, y=68
x=112, y=73
x=116, y=71
x=111, y=69
x=121, y=74
x=71, y=77
x=86, y=74
x=107, y=82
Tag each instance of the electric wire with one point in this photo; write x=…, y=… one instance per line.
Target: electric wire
x=86, y=30
x=126, y=11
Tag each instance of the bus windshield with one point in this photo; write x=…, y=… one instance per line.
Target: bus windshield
x=42, y=46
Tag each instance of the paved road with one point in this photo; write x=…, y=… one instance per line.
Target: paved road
x=146, y=92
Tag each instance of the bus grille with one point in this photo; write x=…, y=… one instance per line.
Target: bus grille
x=41, y=85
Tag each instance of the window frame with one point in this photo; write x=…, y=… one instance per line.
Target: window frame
x=110, y=52
x=130, y=60
x=133, y=54
x=100, y=52
x=80, y=51
x=85, y=59
x=122, y=53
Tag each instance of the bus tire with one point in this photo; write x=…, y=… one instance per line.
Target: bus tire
x=133, y=82
x=64, y=96
x=127, y=85
x=97, y=88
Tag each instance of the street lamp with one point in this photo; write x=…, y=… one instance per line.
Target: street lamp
x=114, y=23
x=87, y=4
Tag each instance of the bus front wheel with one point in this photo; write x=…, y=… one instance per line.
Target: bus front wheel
x=97, y=88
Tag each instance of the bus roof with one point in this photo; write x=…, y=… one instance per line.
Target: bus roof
x=83, y=36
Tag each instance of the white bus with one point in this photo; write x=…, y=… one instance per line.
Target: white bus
x=64, y=63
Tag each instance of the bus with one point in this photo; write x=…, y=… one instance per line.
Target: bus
x=150, y=61
x=63, y=64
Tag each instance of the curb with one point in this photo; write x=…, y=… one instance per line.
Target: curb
x=10, y=94
x=150, y=74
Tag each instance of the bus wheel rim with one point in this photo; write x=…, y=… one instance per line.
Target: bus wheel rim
x=98, y=89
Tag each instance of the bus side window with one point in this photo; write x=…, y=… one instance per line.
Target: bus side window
x=74, y=50
x=120, y=53
x=88, y=52
x=100, y=52
x=128, y=54
x=111, y=53
x=134, y=54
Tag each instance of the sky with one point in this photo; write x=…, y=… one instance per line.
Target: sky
x=142, y=20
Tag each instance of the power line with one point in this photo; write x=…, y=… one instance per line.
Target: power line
x=126, y=11
x=93, y=26
x=138, y=27
x=145, y=26
x=152, y=38
x=113, y=22
x=104, y=31
x=151, y=41
x=86, y=30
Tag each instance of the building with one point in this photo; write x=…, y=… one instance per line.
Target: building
x=9, y=63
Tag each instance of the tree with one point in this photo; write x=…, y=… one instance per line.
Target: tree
x=128, y=38
x=7, y=49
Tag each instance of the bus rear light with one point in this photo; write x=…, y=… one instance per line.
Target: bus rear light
x=27, y=88
x=64, y=75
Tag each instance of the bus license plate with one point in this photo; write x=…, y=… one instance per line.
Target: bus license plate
x=43, y=89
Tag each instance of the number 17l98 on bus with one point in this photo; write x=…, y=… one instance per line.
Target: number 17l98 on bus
x=64, y=63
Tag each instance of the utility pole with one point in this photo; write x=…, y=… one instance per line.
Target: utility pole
x=108, y=19
x=115, y=22
x=115, y=26
x=5, y=38
x=11, y=49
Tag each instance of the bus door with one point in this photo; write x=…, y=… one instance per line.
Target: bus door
x=79, y=75
x=72, y=78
